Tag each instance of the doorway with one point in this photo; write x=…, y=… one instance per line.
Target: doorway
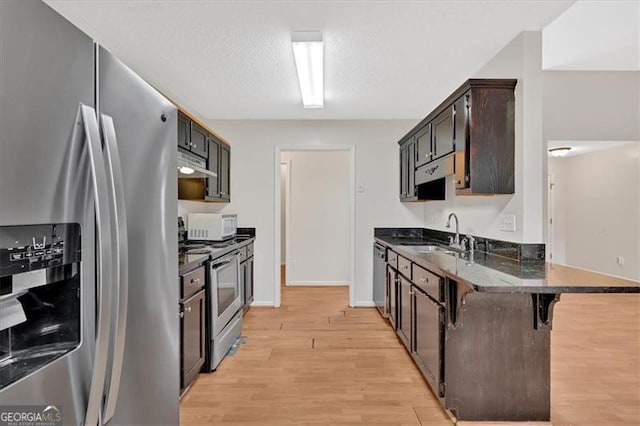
x=594, y=206
x=314, y=226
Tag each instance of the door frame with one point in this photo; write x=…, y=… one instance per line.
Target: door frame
x=279, y=149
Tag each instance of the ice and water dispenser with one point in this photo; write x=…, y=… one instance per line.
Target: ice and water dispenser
x=40, y=301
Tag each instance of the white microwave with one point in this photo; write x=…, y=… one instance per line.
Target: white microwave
x=211, y=226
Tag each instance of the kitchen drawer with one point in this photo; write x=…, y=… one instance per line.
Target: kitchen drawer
x=404, y=266
x=243, y=254
x=191, y=282
x=250, y=250
x=428, y=282
x=392, y=258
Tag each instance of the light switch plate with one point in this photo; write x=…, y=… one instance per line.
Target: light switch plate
x=360, y=189
x=508, y=222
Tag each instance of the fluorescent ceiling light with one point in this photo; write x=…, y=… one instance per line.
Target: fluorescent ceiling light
x=559, y=152
x=186, y=170
x=307, y=51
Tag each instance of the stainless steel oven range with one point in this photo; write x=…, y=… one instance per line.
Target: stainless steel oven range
x=224, y=300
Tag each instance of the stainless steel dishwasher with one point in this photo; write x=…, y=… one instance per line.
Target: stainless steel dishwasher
x=379, y=276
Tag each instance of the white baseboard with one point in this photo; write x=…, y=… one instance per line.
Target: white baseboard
x=318, y=283
x=368, y=304
x=262, y=304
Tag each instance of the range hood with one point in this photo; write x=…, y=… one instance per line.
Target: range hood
x=435, y=170
x=192, y=167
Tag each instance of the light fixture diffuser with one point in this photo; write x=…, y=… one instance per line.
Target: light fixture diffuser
x=559, y=152
x=308, y=54
x=185, y=170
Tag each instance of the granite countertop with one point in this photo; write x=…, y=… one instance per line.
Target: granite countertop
x=497, y=274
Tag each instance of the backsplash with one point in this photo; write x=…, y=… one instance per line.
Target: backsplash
x=522, y=252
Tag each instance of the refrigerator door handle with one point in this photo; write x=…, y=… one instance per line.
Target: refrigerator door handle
x=121, y=260
x=87, y=117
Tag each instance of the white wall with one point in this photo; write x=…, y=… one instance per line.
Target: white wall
x=594, y=35
x=480, y=215
x=253, y=188
x=591, y=105
x=318, y=217
x=596, y=205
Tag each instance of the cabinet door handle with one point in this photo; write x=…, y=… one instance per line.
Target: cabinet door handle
x=188, y=309
x=181, y=314
x=195, y=280
x=424, y=280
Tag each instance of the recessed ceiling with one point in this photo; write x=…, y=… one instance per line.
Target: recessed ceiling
x=233, y=60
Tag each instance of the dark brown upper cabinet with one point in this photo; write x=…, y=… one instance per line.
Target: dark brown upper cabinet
x=407, y=171
x=197, y=139
x=217, y=188
x=191, y=136
x=225, y=172
x=424, y=153
x=443, y=142
x=473, y=129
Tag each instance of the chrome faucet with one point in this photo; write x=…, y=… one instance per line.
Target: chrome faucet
x=454, y=242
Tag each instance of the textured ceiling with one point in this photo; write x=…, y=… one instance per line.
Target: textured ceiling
x=233, y=60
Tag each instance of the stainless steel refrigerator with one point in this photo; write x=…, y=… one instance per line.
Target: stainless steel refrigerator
x=88, y=201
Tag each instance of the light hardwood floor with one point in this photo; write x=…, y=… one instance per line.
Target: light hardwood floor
x=315, y=361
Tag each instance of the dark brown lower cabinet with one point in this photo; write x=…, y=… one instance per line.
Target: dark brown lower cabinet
x=429, y=339
x=192, y=338
x=391, y=297
x=405, y=299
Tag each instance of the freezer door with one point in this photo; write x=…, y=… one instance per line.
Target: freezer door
x=146, y=127
x=46, y=71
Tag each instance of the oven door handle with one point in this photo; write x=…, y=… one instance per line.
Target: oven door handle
x=219, y=263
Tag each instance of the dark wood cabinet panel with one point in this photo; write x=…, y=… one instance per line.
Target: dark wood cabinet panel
x=429, y=339
x=424, y=153
x=392, y=296
x=192, y=345
x=213, y=183
x=225, y=172
x=442, y=133
x=404, y=175
x=184, y=131
x=405, y=299
x=199, y=140
x=407, y=171
x=461, y=139
x=492, y=141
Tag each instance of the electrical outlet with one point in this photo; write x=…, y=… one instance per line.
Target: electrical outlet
x=360, y=189
x=620, y=260
x=508, y=222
